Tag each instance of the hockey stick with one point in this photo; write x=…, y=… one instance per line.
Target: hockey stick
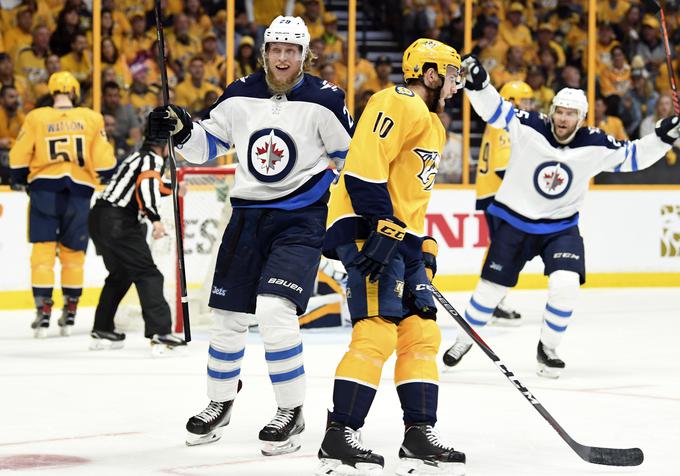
x=655, y=7
x=173, y=177
x=591, y=454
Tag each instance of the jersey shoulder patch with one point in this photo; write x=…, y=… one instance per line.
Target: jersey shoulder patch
x=594, y=137
x=315, y=90
x=404, y=91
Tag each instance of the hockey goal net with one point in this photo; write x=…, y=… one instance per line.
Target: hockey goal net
x=205, y=211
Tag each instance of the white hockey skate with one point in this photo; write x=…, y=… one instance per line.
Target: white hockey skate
x=549, y=364
x=103, y=340
x=165, y=345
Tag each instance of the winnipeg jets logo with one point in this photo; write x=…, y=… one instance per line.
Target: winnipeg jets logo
x=552, y=179
x=430, y=164
x=272, y=154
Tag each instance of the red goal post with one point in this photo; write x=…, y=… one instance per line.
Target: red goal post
x=204, y=211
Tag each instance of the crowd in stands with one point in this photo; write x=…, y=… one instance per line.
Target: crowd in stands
x=542, y=42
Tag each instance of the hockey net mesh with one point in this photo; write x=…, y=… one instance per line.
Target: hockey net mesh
x=205, y=210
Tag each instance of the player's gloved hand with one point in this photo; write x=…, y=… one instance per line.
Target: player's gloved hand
x=476, y=77
x=170, y=120
x=668, y=129
x=379, y=247
x=430, y=250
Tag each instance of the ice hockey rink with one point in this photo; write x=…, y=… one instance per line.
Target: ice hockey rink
x=66, y=410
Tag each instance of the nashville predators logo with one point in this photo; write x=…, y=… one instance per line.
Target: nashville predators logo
x=428, y=172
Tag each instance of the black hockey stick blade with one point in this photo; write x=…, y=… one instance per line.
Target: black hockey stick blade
x=610, y=456
x=652, y=5
x=591, y=454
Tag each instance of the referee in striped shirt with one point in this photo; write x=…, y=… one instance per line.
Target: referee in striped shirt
x=115, y=225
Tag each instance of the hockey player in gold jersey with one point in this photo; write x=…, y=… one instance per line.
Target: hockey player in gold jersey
x=59, y=154
x=494, y=154
x=376, y=225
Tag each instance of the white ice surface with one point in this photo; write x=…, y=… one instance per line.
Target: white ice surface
x=123, y=413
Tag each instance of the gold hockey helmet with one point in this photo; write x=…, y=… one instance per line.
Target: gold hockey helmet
x=63, y=82
x=425, y=50
x=515, y=91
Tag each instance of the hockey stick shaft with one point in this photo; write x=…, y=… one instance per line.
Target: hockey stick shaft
x=591, y=454
x=179, y=231
x=658, y=9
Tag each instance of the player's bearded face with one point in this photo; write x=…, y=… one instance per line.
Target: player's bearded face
x=283, y=62
x=565, y=122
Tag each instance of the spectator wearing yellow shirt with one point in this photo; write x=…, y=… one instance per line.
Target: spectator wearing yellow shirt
x=490, y=49
x=154, y=71
x=214, y=61
x=120, y=25
x=577, y=40
x=20, y=36
x=39, y=90
x=110, y=29
x=512, y=31
x=611, y=125
x=199, y=22
x=615, y=79
x=383, y=69
x=317, y=47
x=140, y=95
x=513, y=70
x=312, y=18
x=606, y=40
x=139, y=41
x=333, y=42
x=547, y=60
x=181, y=43
x=79, y=61
x=545, y=39
x=246, y=59
x=543, y=95
x=30, y=62
x=8, y=78
x=611, y=11
x=663, y=108
x=111, y=57
x=190, y=93
x=11, y=116
x=263, y=12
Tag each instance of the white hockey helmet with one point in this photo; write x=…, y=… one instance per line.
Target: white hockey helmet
x=288, y=30
x=571, y=98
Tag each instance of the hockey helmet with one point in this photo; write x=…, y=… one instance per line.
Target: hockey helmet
x=515, y=91
x=65, y=83
x=425, y=50
x=288, y=30
x=571, y=98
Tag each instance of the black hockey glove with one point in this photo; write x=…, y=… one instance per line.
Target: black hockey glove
x=170, y=120
x=668, y=129
x=476, y=77
x=379, y=247
x=413, y=305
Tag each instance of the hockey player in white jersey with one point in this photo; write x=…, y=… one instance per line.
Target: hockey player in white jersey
x=286, y=126
x=551, y=163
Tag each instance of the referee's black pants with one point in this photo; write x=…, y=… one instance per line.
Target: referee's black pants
x=119, y=237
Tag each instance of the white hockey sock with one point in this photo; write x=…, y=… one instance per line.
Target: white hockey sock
x=562, y=292
x=227, y=346
x=482, y=304
x=280, y=330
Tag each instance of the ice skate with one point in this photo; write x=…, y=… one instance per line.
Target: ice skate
x=42, y=319
x=343, y=454
x=506, y=317
x=282, y=434
x=549, y=364
x=68, y=317
x=206, y=427
x=104, y=340
x=167, y=344
x=423, y=453
x=456, y=352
